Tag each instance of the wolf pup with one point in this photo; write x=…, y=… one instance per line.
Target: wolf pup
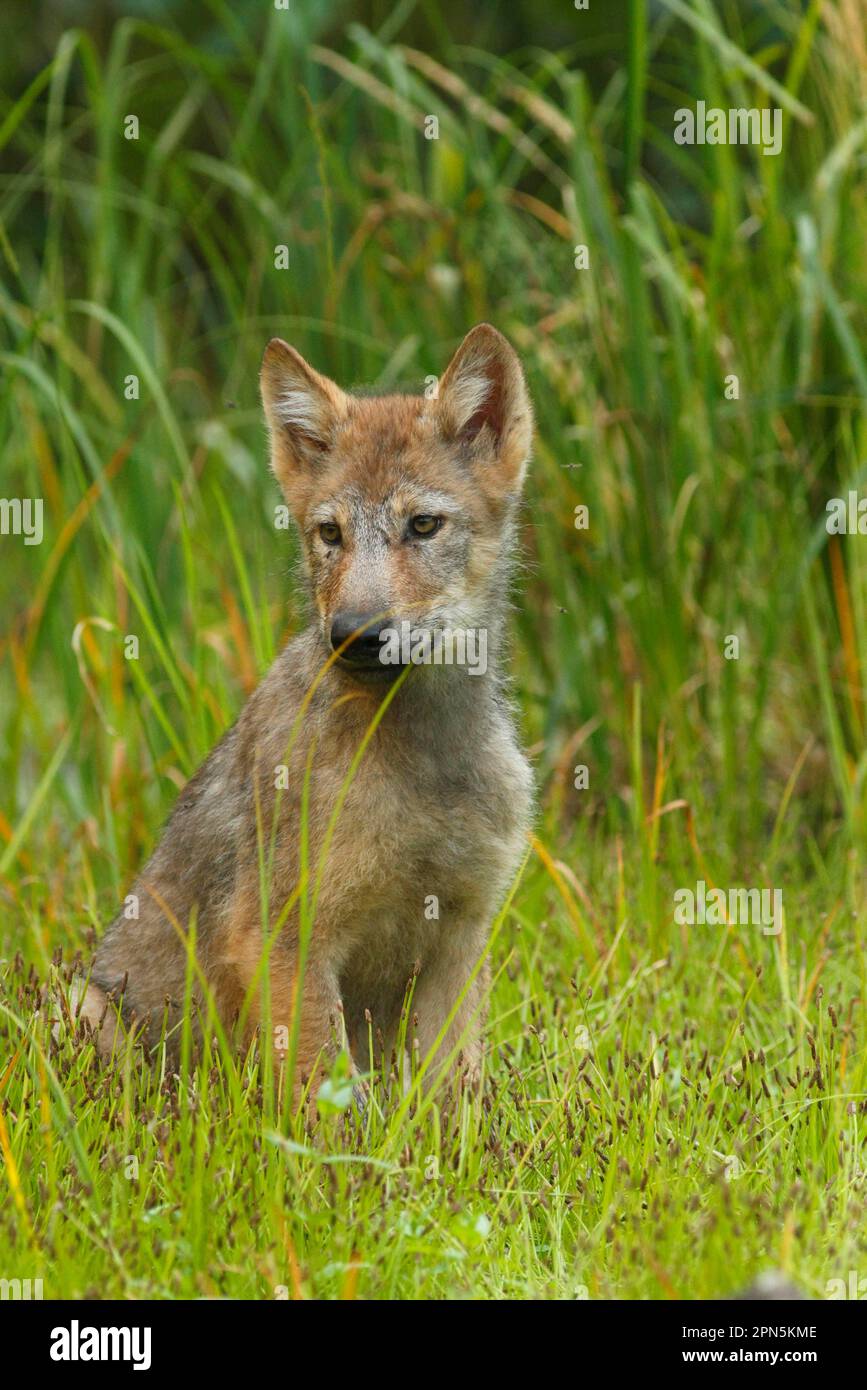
x=406, y=511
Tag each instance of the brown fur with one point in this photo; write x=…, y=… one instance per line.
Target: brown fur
x=440, y=802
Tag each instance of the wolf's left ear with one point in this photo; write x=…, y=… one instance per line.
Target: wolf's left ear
x=483, y=403
x=303, y=410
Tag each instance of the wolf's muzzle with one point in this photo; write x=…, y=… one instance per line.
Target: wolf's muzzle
x=364, y=630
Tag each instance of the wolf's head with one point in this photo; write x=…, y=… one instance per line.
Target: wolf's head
x=404, y=503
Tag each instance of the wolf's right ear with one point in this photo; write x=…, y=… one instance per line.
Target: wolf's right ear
x=303, y=410
x=484, y=406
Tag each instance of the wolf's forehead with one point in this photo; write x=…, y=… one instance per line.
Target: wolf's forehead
x=374, y=506
x=377, y=423
x=383, y=439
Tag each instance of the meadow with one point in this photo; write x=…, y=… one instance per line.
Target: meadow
x=668, y=1109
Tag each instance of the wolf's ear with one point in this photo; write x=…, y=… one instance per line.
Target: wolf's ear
x=483, y=403
x=302, y=408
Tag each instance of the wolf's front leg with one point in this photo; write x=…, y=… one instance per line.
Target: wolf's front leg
x=311, y=1005
x=442, y=982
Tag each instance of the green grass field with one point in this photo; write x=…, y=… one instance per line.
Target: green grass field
x=667, y=1109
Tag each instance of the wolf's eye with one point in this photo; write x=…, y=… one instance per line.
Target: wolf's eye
x=425, y=525
x=330, y=532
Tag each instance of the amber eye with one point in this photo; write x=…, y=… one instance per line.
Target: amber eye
x=330, y=532
x=425, y=525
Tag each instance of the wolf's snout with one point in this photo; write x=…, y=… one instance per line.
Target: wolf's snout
x=365, y=646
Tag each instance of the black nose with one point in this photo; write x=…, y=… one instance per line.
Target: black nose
x=365, y=646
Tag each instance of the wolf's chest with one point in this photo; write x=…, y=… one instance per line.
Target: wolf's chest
x=419, y=842
x=430, y=827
